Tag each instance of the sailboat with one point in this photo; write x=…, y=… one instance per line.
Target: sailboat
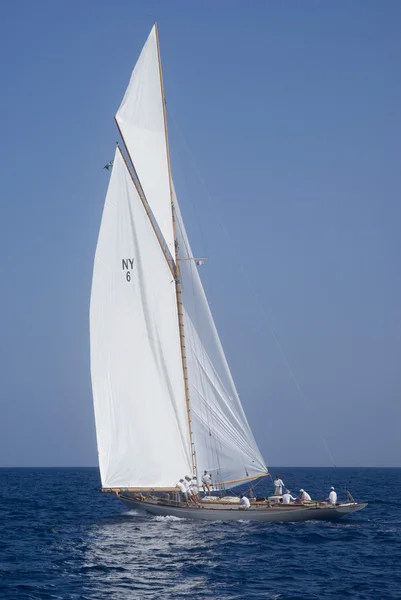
x=165, y=402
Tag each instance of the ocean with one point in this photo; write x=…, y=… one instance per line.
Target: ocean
x=60, y=538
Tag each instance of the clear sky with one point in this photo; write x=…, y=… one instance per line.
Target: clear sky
x=285, y=131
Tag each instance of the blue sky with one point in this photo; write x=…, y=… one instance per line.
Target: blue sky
x=284, y=123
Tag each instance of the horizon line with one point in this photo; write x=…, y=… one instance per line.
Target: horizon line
x=273, y=468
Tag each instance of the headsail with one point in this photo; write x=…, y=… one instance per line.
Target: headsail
x=137, y=378
x=141, y=122
x=223, y=439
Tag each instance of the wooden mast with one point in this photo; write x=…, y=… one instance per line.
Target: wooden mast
x=177, y=268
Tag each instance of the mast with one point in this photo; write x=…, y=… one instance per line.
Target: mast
x=177, y=268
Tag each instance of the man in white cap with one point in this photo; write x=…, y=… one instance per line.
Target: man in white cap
x=332, y=496
x=287, y=497
x=304, y=495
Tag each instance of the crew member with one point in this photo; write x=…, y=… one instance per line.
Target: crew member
x=304, y=495
x=187, y=483
x=332, y=496
x=244, y=502
x=183, y=491
x=287, y=497
x=206, y=481
x=194, y=489
x=278, y=486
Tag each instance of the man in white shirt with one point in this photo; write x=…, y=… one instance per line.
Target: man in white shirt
x=193, y=486
x=304, y=495
x=332, y=496
x=206, y=481
x=278, y=486
x=287, y=497
x=183, y=490
x=244, y=502
x=187, y=483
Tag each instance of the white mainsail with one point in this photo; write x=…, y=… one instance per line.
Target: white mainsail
x=141, y=122
x=223, y=439
x=137, y=378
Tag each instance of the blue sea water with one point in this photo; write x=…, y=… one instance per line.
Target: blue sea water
x=62, y=539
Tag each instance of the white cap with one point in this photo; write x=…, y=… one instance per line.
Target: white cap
x=332, y=488
x=301, y=490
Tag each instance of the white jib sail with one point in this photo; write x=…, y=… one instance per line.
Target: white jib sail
x=223, y=439
x=137, y=378
x=141, y=122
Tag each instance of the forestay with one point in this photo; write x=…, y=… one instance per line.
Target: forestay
x=223, y=439
x=137, y=377
x=141, y=122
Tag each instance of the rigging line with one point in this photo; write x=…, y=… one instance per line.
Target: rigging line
x=185, y=242
x=261, y=307
x=255, y=485
x=206, y=413
x=209, y=437
x=189, y=253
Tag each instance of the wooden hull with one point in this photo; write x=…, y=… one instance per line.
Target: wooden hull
x=227, y=513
